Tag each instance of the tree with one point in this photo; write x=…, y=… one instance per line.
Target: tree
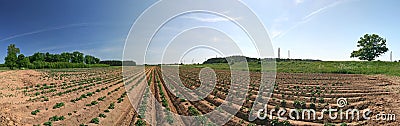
x=65, y=57
x=11, y=58
x=22, y=62
x=89, y=59
x=372, y=46
x=37, y=57
x=77, y=57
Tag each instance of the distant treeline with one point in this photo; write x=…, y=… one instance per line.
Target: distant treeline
x=118, y=63
x=233, y=59
x=46, y=60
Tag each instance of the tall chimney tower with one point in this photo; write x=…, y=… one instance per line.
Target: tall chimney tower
x=288, y=54
x=391, y=54
x=279, y=53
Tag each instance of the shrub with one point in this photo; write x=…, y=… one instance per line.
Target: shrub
x=297, y=104
x=112, y=105
x=35, y=112
x=312, y=106
x=102, y=115
x=140, y=123
x=58, y=105
x=49, y=123
x=56, y=118
x=193, y=111
x=94, y=102
x=283, y=103
x=95, y=121
x=321, y=100
x=101, y=98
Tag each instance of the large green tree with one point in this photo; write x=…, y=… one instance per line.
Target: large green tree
x=77, y=57
x=11, y=58
x=91, y=59
x=37, y=57
x=23, y=61
x=371, y=47
x=65, y=57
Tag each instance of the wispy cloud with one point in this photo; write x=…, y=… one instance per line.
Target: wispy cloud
x=320, y=10
x=44, y=30
x=279, y=33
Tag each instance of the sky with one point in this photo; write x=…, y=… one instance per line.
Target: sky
x=310, y=29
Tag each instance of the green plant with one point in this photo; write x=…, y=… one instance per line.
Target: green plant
x=312, y=106
x=49, y=123
x=56, y=118
x=283, y=103
x=102, y=115
x=372, y=46
x=95, y=121
x=140, y=122
x=58, y=105
x=112, y=105
x=321, y=100
x=101, y=98
x=35, y=112
x=193, y=111
x=94, y=102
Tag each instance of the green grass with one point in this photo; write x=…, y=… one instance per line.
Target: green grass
x=3, y=68
x=342, y=67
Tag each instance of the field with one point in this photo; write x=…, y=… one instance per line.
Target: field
x=100, y=96
x=339, y=67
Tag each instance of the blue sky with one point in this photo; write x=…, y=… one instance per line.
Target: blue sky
x=312, y=29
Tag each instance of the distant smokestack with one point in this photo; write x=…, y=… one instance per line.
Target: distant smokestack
x=391, y=52
x=279, y=53
x=288, y=54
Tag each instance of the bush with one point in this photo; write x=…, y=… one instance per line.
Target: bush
x=297, y=104
x=58, y=105
x=95, y=121
x=312, y=106
x=193, y=111
x=101, y=98
x=57, y=65
x=102, y=115
x=48, y=123
x=35, y=112
x=321, y=100
x=112, y=106
x=94, y=102
x=140, y=123
x=56, y=118
x=283, y=103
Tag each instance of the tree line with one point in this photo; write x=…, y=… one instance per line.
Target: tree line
x=46, y=60
x=118, y=63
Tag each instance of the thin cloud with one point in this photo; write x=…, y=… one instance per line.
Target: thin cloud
x=320, y=10
x=44, y=30
x=308, y=18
